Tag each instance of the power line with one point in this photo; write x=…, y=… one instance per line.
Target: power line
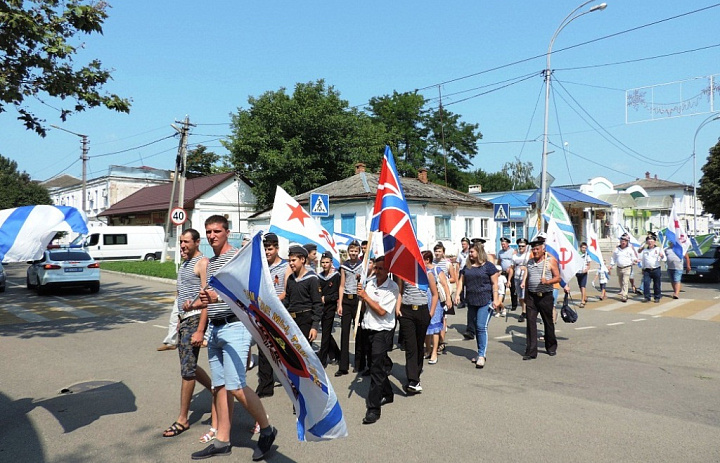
x=134, y=148
x=615, y=142
x=637, y=60
x=633, y=29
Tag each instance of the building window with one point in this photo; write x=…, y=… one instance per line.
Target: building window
x=347, y=223
x=469, y=228
x=328, y=223
x=484, y=223
x=442, y=227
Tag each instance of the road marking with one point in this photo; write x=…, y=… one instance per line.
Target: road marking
x=507, y=336
x=706, y=314
x=616, y=323
x=585, y=328
x=662, y=308
x=161, y=327
x=640, y=319
x=27, y=315
x=79, y=313
x=615, y=306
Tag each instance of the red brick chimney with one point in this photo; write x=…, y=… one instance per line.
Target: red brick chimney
x=422, y=175
x=359, y=167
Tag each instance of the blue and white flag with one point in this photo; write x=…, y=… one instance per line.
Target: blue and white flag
x=246, y=286
x=344, y=239
x=676, y=236
x=26, y=231
x=290, y=220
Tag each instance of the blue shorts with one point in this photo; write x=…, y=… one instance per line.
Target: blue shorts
x=675, y=275
x=228, y=348
x=582, y=279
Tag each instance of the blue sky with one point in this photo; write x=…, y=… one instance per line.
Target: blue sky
x=203, y=59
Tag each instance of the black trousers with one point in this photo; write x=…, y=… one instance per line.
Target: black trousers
x=513, y=293
x=266, y=380
x=349, y=309
x=413, y=326
x=328, y=347
x=379, y=343
x=544, y=305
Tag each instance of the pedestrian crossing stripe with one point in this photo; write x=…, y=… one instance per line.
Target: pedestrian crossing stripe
x=319, y=207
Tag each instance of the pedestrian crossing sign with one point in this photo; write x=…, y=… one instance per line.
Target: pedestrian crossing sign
x=319, y=205
x=501, y=212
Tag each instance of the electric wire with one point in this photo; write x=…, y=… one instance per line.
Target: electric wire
x=134, y=147
x=618, y=63
x=626, y=149
x=562, y=141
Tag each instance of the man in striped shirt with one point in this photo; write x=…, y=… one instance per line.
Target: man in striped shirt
x=191, y=325
x=227, y=350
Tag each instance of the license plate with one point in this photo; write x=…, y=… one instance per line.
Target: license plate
x=74, y=269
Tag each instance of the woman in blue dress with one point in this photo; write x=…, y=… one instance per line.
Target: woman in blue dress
x=432, y=338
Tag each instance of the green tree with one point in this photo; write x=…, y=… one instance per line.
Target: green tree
x=17, y=189
x=301, y=141
x=37, y=47
x=403, y=118
x=709, y=190
x=520, y=174
x=433, y=138
x=201, y=162
x=493, y=181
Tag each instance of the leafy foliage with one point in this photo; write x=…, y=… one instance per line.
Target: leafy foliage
x=17, y=189
x=201, y=162
x=709, y=189
x=520, y=174
x=301, y=141
x=36, y=58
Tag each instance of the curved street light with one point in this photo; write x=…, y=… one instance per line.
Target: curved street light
x=712, y=117
x=543, y=175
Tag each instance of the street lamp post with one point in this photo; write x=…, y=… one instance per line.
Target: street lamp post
x=543, y=176
x=84, y=158
x=712, y=117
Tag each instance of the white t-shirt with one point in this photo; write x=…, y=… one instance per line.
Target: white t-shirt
x=386, y=295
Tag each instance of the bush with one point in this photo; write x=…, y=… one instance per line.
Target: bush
x=148, y=268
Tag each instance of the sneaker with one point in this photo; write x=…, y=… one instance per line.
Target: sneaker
x=415, y=387
x=521, y=319
x=212, y=451
x=264, y=445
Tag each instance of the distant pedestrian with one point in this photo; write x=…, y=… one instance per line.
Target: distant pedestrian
x=520, y=260
x=651, y=259
x=624, y=258
x=350, y=272
x=432, y=337
x=582, y=275
x=675, y=268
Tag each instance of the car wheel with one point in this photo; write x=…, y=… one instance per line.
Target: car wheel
x=94, y=287
x=41, y=290
x=149, y=257
x=2, y=289
x=28, y=284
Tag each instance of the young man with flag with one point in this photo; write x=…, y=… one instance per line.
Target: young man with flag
x=227, y=351
x=380, y=297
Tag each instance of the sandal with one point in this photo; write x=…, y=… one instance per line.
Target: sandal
x=175, y=429
x=208, y=436
x=582, y=305
x=441, y=347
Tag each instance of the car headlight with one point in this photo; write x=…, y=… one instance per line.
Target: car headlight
x=703, y=268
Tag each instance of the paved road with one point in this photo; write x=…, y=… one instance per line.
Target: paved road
x=626, y=386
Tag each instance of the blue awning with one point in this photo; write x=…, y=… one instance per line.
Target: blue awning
x=513, y=199
x=574, y=197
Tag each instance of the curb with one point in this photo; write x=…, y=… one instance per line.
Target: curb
x=140, y=277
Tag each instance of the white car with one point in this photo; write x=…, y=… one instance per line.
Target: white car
x=64, y=268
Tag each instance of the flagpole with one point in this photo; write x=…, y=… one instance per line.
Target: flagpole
x=363, y=278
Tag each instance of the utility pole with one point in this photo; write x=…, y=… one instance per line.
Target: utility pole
x=178, y=180
x=84, y=157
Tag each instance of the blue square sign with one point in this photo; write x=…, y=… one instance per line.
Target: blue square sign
x=319, y=205
x=501, y=212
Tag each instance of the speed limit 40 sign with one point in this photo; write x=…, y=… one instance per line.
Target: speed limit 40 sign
x=178, y=216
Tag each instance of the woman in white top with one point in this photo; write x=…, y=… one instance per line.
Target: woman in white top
x=519, y=263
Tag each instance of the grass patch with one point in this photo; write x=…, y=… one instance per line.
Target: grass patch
x=151, y=268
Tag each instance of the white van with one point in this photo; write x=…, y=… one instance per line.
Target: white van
x=123, y=242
